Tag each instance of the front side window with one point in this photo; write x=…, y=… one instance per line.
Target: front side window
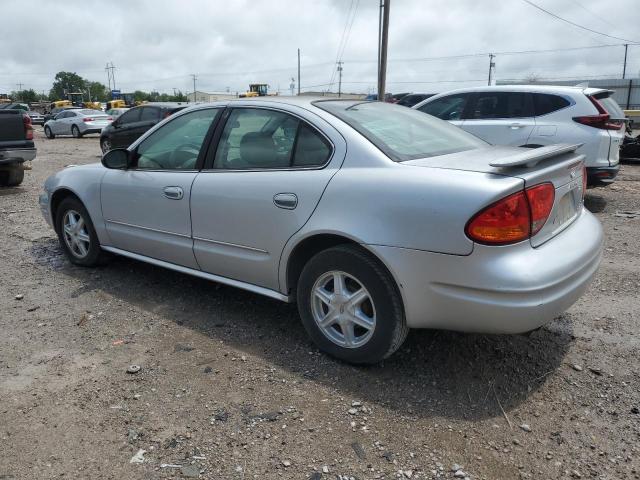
x=447, y=108
x=130, y=116
x=176, y=145
x=402, y=133
x=263, y=139
x=494, y=105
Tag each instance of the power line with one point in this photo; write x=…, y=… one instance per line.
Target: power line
x=344, y=39
x=576, y=24
x=599, y=17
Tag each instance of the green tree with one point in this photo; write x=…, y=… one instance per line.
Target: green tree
x=98, y=91
x=26, y=96
x=140, y=96
x=69, y=81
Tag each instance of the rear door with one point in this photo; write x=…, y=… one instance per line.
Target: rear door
x=450, y=108
x=269, y=172
x=121, y=134
x=501, y=118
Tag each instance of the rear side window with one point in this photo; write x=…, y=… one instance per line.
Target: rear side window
x=311, y=148
x=447, y=108
x=149, y=113
x=545, y=103
x=495, y=105
x=130, y=116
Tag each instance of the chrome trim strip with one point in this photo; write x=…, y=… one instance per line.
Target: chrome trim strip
x=199, y=273
x=227, y=244
x=148, y=228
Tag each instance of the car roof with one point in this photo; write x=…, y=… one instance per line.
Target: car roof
x=528, y=88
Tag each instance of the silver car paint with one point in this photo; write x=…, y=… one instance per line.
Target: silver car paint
x=63, y=126
x=411, y=217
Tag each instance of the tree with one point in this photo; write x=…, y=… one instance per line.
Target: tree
x=97, y=91
x=26, y=96
x=69, y=81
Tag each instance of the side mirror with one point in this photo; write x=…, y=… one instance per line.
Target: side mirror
x=117, y=159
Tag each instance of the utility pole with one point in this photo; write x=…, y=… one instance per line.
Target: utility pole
x=174, y=91
x=624, y=66
x=194, y=86
x=383, y=40
x=298, y=72
x=492, y=64
x=19, y=85
x=340, y=78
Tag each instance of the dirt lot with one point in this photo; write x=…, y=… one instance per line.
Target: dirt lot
x=231, y=388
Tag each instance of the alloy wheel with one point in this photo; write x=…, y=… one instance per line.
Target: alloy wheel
x=343, y=309
x=76, y=236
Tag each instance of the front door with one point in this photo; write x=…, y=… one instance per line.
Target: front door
x=121, y=134
x=269, y=172
x=501, y=118
x=146, y=207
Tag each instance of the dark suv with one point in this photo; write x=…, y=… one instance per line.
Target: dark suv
x=129, y=126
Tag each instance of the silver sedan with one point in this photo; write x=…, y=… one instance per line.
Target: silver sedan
x=77, y=123
x=373, y=217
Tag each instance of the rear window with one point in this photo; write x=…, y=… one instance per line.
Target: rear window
x=89, y=112
x=545, y=103
x=150, y=113
x=402, y=133
x=612, y=107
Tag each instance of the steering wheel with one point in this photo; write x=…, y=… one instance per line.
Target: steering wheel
x=176, y=159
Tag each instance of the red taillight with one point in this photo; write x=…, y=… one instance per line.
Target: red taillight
x=28, y=128
x=109, y=119
x=540, y=202
x=87, y=119
x=514, y=218
x=601, y=120
x=166, y=115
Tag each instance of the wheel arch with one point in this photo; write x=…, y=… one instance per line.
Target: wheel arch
x=56, y=199
x=309, y=246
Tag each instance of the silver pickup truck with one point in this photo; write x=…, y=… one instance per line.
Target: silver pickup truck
x=16, y=146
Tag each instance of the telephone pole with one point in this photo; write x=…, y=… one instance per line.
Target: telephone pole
x=383, y=40
x=340, y=78
x=492, y=64
x=298, y=72
x=194, y=86
x=624, y=66
x=111, y=78
x=19, y=85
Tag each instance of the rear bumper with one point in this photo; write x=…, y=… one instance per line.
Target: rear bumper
x=598, y=176
x=511, y=289
x=92, y=130
x=17, y=155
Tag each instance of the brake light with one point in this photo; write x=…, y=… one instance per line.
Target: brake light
x=514, y=218
x=87, y=119
x=28, y=127
x=166, y=114
x=109, y=119
x=602, y=120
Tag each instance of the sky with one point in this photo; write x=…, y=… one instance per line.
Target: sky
x=158, y=44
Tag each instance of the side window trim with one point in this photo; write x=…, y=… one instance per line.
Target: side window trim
x=221, y=123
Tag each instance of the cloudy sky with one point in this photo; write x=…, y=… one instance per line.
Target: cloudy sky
x=157, y=44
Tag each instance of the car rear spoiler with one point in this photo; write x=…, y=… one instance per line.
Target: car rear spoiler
x=531, y=157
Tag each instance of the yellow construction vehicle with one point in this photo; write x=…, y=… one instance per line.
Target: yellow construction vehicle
x=60, y=104
x=256, y=90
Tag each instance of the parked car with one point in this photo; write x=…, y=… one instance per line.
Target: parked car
x=16, y=146
x=375, y=218
x=536, y=115
x=395, y=97
x=116, y=112
x=14, y=106
x=76, y=123
x=414, y=98
x=36, y=117
x=128, y=127
x=55, y=111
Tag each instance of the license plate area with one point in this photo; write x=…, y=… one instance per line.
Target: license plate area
x=566, y=209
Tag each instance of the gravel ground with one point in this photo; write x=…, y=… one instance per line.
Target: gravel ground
x=231, y=388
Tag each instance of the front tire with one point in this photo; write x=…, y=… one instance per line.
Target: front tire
x=77, y=235
x=75, y=132
x=105, y=145
x=49, y=134
x=350, y=305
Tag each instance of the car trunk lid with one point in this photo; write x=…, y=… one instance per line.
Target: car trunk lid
x=557, y=164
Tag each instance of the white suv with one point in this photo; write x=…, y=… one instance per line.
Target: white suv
x=537, y=115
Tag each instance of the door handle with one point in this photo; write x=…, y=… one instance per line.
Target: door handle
x=517, y=125
x=288, y=201
x=173, y=193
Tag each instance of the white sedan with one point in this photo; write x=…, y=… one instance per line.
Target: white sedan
x=77, y=123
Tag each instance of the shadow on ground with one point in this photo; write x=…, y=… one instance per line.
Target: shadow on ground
x=435, y=373
x=594, y=203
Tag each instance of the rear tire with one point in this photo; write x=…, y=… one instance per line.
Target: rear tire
x=11, y=177
x=48, y=133
x=75, y=132
x=77, y=235
x=105, y=145
x=365, y=332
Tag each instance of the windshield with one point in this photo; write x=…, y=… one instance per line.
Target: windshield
x=402, y=133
